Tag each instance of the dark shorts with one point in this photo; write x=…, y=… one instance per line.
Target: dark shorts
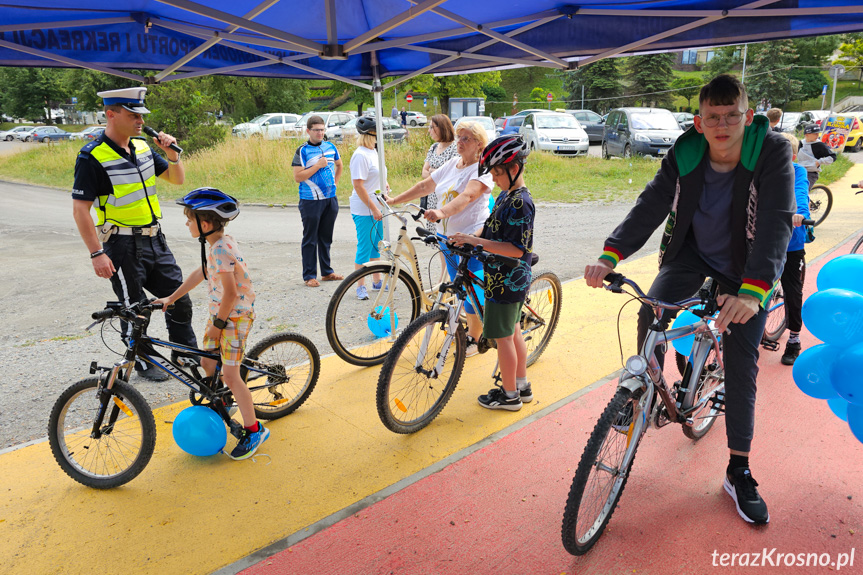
x=499, y=319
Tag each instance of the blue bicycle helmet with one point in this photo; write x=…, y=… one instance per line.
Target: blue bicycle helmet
x=211, y=200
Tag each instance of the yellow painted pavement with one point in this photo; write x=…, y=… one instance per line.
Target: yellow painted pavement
x=194, y=515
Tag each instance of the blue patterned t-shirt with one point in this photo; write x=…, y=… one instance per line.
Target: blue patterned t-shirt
x=511, y=221
x=322, y=184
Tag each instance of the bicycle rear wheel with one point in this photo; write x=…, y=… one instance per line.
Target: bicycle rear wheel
x=600, y=477
x=856, y=249
x=776, y=320
x=540, y=313
x=820, y=203
x=121, y=447
x=354, y=333
x=410, y=392
x=293, y=367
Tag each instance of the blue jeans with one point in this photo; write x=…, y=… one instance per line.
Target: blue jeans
x=473, y=265
x=680, y=279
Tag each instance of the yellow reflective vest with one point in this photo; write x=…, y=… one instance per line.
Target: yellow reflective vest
x=133, y=200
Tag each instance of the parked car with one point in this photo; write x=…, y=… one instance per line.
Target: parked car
x=645, y=131
x=333, y=121
x=24, y=135
x=591, y=122
x=813, y=117
x=508, y=124
x=48, y=134
x=790, y=122
x=685, y=120
x=554, y=132
x=269, y=126
x=393, y=131
x=485, y=121
x=12, y=134
x=854, y=140
x=529, y=111
x=87, y=133
x=416, y=119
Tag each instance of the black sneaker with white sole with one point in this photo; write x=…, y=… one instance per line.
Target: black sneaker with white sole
x=526, y=394
x=741, y=486
x=497, y=399
x=153, y=373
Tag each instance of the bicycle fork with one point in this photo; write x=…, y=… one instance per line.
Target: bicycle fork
x=451, y=329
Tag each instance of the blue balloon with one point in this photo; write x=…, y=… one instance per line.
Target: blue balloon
x=855, y=421
x=835, y=316
x=684, y=344
x=839, y=407
x=846, y=374
x=381, y=327
x=844, y=272
x=199, y=430
x=812, y=371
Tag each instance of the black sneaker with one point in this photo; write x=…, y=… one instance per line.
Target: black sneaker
x=740, y=485
x=497, y=399
x=526, y=394
x=152, y=373
x=792, y=350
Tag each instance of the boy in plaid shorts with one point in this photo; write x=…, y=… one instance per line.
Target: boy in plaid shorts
x=232, y=301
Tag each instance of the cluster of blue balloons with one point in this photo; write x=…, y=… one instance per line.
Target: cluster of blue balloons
x=199, y=430
x=833, y=370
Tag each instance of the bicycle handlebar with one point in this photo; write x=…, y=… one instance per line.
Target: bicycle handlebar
x=379, y=196
x=476, y=251
x=115, y=309
x=808, y=222
x=616, y=282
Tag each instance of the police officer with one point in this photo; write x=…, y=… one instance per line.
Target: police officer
x=116, y=175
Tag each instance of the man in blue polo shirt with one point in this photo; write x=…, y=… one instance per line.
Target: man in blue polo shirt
x=317, y=167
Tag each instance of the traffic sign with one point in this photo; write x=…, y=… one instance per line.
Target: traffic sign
x=74, y=100
x=425, y=102
x=409, y=98
x=550, y=97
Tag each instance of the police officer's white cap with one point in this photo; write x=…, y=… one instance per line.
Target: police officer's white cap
x=130, y=98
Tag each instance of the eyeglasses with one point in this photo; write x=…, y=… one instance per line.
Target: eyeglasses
x=465, y=139
x=731, y=119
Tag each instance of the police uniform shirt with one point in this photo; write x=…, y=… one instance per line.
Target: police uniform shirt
x=91, y=180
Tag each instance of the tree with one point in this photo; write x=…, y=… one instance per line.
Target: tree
x=244, y=97
x=724, y=60
x=806, y=83
x=651, y=75
x=181, y=109
x=851, y=55
x=768, y=76
x=687, y=87
x=537, y=95
x=28, y=92
x=458, y=86
x=601, y=82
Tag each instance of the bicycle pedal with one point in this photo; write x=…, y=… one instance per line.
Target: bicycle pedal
x=717, y=402
x=770, y=345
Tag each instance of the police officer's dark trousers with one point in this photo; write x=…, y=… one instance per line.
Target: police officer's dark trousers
x=146, y=263
x=680, y=279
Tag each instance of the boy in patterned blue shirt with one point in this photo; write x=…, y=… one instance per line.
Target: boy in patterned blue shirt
x=508, y=231
x=317, y=167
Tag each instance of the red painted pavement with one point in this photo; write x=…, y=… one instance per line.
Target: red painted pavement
x=499, y=510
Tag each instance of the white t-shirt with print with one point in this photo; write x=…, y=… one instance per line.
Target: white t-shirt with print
x=450, y=182
x=364, y=166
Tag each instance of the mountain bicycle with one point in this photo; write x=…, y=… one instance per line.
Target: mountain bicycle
x=644, y=400
x=423, y=367
x=820, y=203
x=400, y=300
x=101, y=429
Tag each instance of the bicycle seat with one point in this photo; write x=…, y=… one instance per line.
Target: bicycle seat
x=534, y=259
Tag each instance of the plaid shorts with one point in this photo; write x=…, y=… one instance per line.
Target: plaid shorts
x=232, y=343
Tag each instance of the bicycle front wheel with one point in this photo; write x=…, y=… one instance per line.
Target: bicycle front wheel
x=710, y=374
x=420, y=373
x=118, y=450
x=601, y=475
x=291, y=364
x=856, y=249
x=361, y=332
x=540, y=313
x=820, y=203
x=776, y=319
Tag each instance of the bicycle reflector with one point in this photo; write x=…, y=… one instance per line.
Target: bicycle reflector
x=636, y=365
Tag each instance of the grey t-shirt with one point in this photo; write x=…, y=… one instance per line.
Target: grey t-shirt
x=711, y=224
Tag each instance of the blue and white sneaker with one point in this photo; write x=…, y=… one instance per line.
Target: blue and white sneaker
x=249, y=443
x=376, y=286
x=362, y=293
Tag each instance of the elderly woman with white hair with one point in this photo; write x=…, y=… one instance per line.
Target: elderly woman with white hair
x=463, y=199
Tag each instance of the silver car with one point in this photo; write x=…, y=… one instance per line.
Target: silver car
x=12, y=134
x=554, y=132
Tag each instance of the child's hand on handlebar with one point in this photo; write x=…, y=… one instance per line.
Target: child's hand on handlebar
x=165, y=301
x=595, y=273
x=460, y=239
x=797, y=220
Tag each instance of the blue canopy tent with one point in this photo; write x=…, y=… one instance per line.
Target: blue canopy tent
x=362, y=41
